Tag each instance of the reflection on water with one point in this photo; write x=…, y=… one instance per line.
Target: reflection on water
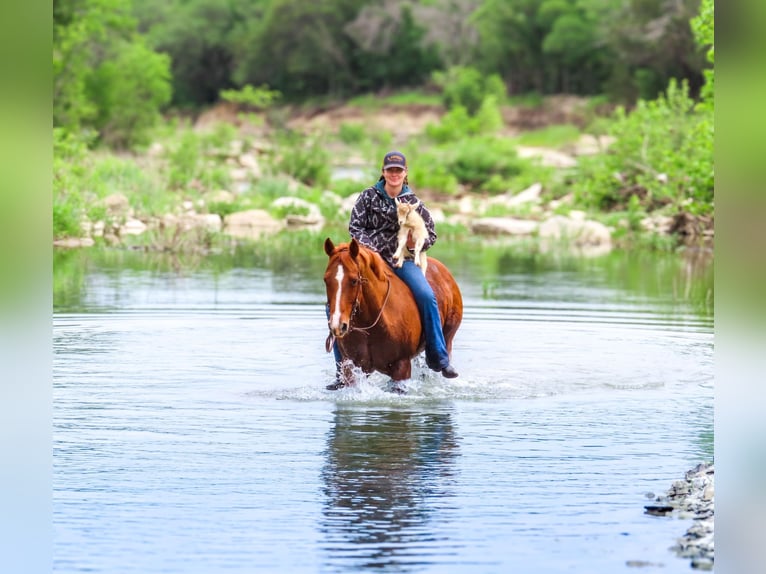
x=387, y=474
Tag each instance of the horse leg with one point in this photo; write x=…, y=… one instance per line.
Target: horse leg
x=344, y=377
x=401, y=370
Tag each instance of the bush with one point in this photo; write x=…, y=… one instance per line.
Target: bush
x=252, y=98
x=663, y=154
x=458, y=123
x=468, y=87
x=129, y=92
x=307, y=160
x=475, y=162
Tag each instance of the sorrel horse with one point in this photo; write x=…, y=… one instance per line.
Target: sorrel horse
x=373, y=315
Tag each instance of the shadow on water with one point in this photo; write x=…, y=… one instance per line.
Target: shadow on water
x=388, y=473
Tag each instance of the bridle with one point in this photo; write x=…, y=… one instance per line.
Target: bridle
x=331, y=338
x=355, y=308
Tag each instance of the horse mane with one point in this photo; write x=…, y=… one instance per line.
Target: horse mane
x=369, y=259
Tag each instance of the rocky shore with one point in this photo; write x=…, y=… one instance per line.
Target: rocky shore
x=692, y=497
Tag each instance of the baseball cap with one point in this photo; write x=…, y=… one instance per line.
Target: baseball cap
x=394, y=159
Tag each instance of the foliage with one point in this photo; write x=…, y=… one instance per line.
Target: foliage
x=457, y=123
x=248, y=96
x=482, y=163
x=307, y=160
x=703, y=28
x=663, y=155
x=468, y=88
x=552, y=136
x=104, y=76
x=351, y=134
x=69, y=171
x=129, y=92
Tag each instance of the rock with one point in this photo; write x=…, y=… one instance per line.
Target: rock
x=331, y=197
x=548, y=157
x=251, y=224
x=658, y=509
x=531, y=194
x=465, y=205
x=133, y=227
x=503, y=226
x=580, y=231
x=658, y=224
x=117, y=205
x=509, y=200
x=209, y=221
x=221, y=196
x=693, y=497
x=74, y=242
x=348, y=203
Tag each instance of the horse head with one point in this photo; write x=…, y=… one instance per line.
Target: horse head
x=350, y=267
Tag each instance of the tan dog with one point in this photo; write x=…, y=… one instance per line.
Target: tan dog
x=410, y=222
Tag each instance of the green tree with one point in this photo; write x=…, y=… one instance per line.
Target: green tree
x=390, y=50
x=104, y=77
x=703, y=27
x=300, y=48
x=201, y=37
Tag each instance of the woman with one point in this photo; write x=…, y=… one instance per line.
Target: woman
x=374, y=224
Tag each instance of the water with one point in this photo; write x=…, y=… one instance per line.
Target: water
x=192, y=431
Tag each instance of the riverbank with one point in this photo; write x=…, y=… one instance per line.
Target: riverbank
x=692, y=497
x=227, y=174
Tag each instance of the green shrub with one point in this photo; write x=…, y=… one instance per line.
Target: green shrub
x=346, y=187
x=256, y=98
x=351, y=134
x=476, y=161
x=66, y=219
x=663, y=154
x=70, y=168
x=468, y=87
x=184, y=160
x=434, y=174
x=129, y=92
x=307, y=160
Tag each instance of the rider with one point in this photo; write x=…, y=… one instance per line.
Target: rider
x=374, y=224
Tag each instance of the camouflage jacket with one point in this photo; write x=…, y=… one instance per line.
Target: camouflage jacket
x=374, y=223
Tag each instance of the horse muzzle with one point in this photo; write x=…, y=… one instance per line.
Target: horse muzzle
x=340, y=330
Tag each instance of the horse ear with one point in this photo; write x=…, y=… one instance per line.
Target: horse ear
x=329, y=246
x=353, y=248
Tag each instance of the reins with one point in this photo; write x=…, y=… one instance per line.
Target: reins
x=356, y=307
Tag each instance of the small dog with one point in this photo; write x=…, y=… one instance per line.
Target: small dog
x=410, y=221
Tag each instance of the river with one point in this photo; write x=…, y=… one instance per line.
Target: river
x=193, y=433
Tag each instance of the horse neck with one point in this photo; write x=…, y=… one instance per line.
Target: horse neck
x=372, y=294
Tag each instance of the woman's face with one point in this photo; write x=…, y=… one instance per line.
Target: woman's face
x=394, y=176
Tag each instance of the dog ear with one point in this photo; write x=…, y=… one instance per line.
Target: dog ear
x=329, y=246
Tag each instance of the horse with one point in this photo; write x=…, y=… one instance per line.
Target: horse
x=372, y=313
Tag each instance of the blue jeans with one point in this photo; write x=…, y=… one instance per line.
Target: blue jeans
x=436, y=347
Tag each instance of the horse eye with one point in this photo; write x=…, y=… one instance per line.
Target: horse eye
x=354, y=282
